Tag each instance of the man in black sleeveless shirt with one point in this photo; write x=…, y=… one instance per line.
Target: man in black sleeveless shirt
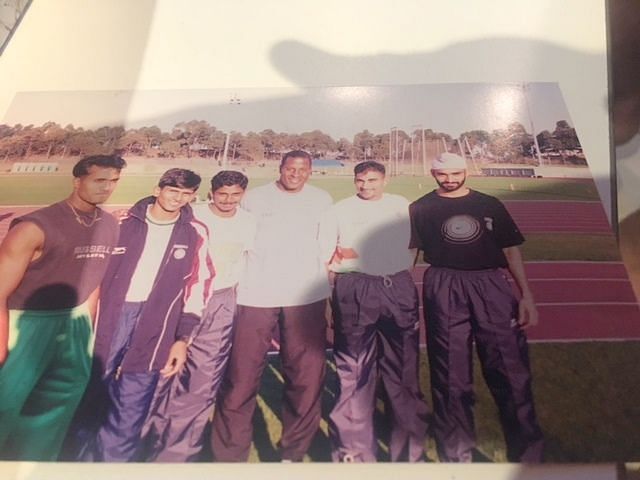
x=51, y=263
x=467, y=238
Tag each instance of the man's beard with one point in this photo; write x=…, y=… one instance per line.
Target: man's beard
x=453, y=186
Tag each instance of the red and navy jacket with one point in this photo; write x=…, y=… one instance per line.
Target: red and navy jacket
x=180, y=291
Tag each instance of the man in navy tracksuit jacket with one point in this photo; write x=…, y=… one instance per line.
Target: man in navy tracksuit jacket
x=152, y=297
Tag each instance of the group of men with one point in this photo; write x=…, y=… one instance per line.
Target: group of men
x=184, y=301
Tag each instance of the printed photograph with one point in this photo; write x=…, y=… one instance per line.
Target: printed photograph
x=415, y=273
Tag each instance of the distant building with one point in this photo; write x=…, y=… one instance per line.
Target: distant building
x=325, y=166
x=34, y=167
x=508, y=172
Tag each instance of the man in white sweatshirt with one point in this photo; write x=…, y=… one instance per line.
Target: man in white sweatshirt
x=375, y=312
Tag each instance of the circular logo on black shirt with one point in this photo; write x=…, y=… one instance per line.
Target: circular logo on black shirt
x=461, y=229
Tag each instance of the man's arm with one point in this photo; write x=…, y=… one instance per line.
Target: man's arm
x=415, y=243
x=92, y=304
x=527, y=312
x=22, y=244
x=199, y=284
x=328, y=241
x=415, y=254
x=196, y=296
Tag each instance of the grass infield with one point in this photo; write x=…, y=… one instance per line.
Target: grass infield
x=43, y=190
x=586, y=398
x=570, y=247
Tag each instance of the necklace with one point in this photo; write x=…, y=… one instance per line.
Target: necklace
x=81, y=220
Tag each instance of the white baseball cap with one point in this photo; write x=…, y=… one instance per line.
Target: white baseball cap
x=447, y=160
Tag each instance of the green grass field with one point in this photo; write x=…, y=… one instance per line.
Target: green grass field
x=42, y=190
x=586, y=398
x=570, y=246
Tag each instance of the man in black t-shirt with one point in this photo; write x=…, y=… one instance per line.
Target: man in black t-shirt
x=467, y=237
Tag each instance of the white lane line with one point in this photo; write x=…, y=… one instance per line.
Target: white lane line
x=105, y=205
x=585, y=304
x=581, y=279
x=584, y=340
x=591, y=304
x=568, y=279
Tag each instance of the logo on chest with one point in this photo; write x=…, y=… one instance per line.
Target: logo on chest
x=179, y=251
x=461, y=229
x=91, y=251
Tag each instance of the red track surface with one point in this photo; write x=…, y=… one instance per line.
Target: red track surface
x=580, y=301
x=576, y=300
x=560, y=217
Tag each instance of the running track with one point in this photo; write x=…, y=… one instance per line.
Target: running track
x=579, y=300
x=576, y=300
x=559, y=217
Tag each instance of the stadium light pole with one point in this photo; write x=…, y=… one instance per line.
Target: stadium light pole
x=393, y=150
x=396, y=153
x=390, y=148
x=424, y=154
x=404, y=149
x=412, y=164
x=525, y=86
x=473, y=159
x=444, y=143
x=233, y=100
x=413, y=128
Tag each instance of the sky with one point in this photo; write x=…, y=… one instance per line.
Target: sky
x=451, y=108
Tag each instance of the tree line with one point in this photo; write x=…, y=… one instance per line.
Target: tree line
x=199, y=138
